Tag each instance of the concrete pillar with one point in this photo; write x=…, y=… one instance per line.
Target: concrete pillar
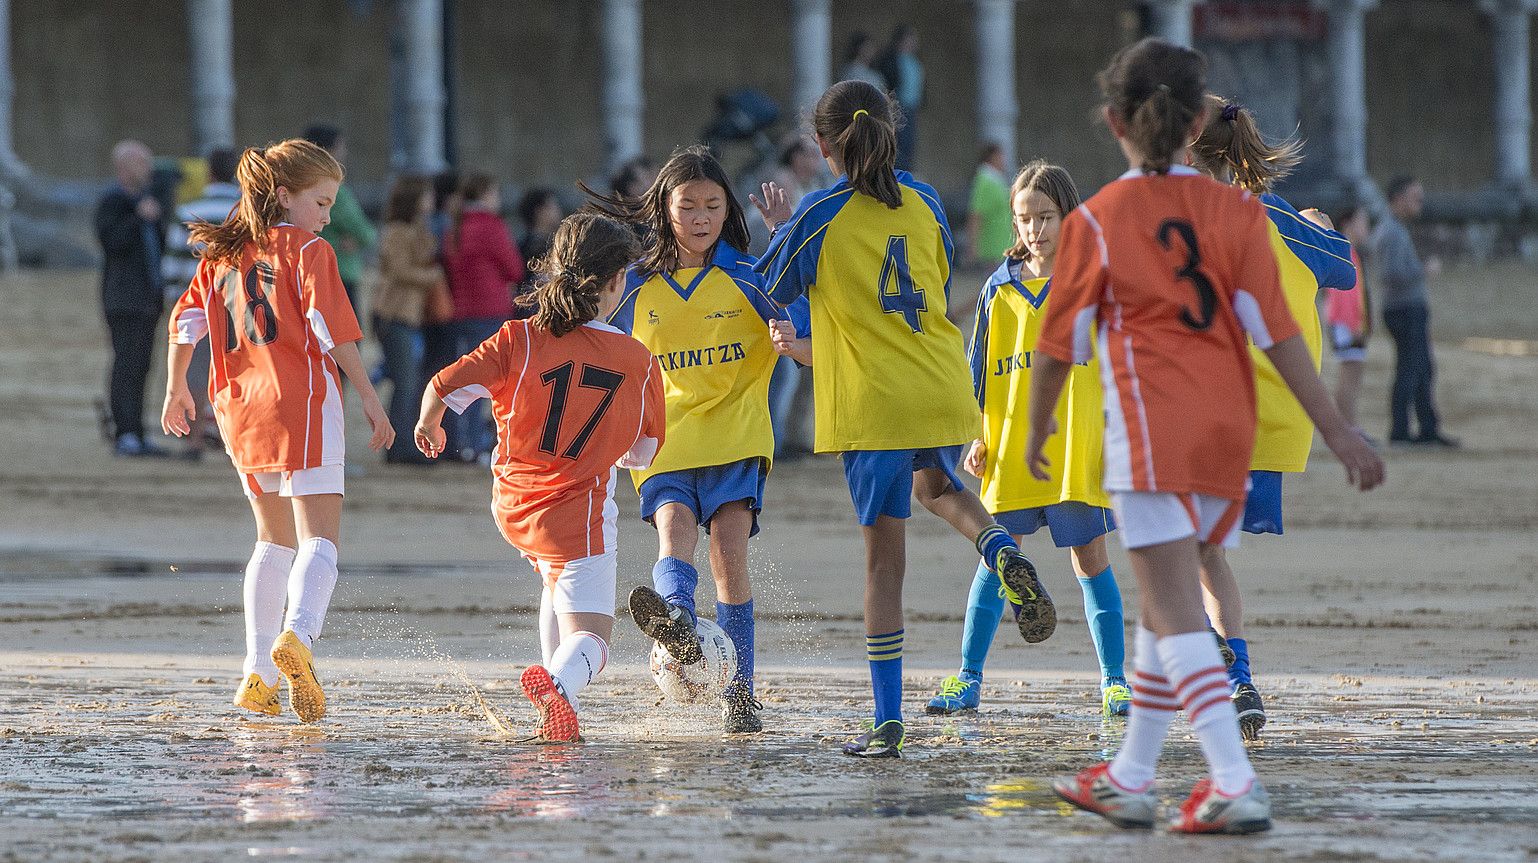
x=211, y=28
x=811, y=46
x=622, y=100
x=420, y=27
x=1509, y=25
x=997, y=110
x=1170, y=20
x=1348, y=50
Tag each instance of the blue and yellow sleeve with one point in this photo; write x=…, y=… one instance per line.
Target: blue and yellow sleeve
x=623, y=316
x=789, y=265
x=800, y=314
x=977, y=353
x=1327, y=254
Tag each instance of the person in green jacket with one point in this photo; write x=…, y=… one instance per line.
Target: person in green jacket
x=990, y=221
x=350, y=233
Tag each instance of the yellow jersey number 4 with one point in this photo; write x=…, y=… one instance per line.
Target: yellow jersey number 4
x=898, y=296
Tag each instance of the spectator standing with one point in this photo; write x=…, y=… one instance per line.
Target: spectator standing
x=439, y=338
x=128, y=225
x=904, y=76
x=540, y=211
x=1407, y=314
x=859, y=54
x=349, y=231
x=408, y=273
x=990, y=221
x=180, y=263
x=484, y=269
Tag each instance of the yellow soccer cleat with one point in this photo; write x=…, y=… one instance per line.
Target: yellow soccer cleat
x=258, y=697
x=298, y=665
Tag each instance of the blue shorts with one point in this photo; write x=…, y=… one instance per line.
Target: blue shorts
x=1071, y=522
x=704, y=490
x=1263, y=505
x=881, y=480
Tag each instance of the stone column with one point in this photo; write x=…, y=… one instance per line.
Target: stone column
x=622, y=102
x=1509, y=25
x=1348, y=51
x=420, y=25
x=811, y=47
x=1170, y=20
x=211, y=29
x=997, y=109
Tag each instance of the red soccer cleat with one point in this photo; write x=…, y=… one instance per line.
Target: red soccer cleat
x=1209, y=810
x=557, y=720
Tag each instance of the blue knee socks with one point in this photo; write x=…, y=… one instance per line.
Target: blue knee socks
x=885, y=653
x=737, y=621
x=676, y=581
x=985, y=606
x=1240, y=672
x=992, y=541
x=1102, y=608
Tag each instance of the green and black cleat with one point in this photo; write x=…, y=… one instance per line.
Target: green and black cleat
x=1034, y=612
x=665, y=623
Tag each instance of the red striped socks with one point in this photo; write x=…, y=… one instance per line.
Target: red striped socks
x=1153, y=708
x=1193, y=665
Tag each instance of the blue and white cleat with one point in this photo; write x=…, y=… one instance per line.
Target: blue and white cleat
x=958, y=693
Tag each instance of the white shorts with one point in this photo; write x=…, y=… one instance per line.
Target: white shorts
x=584, y=586
x=326, y=479
x=1145, y=518
x=1344, y=343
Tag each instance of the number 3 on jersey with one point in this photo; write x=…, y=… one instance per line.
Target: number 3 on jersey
x=559, y=381
x=898, y=296
x=260, y=323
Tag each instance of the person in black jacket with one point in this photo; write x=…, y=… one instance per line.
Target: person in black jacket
x=128, y=224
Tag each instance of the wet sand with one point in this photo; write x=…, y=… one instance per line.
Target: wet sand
x=1393, y=636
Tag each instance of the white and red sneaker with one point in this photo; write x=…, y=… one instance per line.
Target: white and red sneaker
x=1093, y=790
x=1209, y=810
x=557, y=719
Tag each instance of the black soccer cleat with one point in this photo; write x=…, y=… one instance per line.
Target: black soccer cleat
x=665, y=623
x=1252, y=714
x=1034, y=612
x=883, y=741
x=739, y=714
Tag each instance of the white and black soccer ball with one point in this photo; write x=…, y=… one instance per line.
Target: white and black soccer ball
x=704, y=681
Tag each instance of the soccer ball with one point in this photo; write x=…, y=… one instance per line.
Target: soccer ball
x=704, y=681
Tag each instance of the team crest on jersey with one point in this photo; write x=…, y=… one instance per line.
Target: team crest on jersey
x=723, y=314
x=651, y=317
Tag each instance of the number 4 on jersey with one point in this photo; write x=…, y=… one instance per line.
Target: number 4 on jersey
x=898, y=296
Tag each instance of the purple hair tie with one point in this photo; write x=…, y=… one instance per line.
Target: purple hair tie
x=1230, y=112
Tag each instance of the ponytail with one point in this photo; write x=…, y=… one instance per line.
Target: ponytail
x=858, y=123
x=1156, y=89
x=1231, y=147
x=588, y=251
x=295, y=165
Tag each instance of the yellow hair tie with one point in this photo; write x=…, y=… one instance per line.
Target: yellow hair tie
x=858, y=113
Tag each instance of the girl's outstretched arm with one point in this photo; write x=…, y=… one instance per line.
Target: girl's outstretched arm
x=180, y=408
x=429, y=431
x=1048, y=377
x=1364, y=469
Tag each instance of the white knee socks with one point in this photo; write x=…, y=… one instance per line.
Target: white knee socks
x=1196, y=669
x=1148, y=723
x=576, y=662
x=310, y=583
x=264, y=590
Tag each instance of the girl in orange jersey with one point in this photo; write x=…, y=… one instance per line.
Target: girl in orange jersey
x=1167, y=270
x=573, y=397
x=268, y=295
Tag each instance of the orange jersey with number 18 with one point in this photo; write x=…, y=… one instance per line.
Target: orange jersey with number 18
x=1166, y=274
x=272, y=319
x=568, y=409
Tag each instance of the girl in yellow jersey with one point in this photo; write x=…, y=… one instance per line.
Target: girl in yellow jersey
x=873, y=255
x=1310, y=256
x=1073, y=506
x=694, y=300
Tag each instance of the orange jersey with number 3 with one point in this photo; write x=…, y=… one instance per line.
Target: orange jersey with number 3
x=272, y=319
x=1166, y=274
x=568, y=409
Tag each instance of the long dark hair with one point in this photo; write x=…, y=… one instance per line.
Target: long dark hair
x=1156, y=89
x=651, y=209
x=589, y=250
x=858, y=123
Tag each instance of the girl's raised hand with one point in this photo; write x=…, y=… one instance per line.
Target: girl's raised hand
x=429, y=439
x=774, y=206
x=782, y=335
x=179, y=412
x=977, y=456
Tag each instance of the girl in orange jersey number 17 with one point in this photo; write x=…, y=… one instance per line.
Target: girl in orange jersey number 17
x=268, y=295
x=1167, y=270
x=573, y=397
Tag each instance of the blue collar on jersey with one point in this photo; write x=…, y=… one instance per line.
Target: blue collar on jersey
x=725, y=257
x=1008, y=274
